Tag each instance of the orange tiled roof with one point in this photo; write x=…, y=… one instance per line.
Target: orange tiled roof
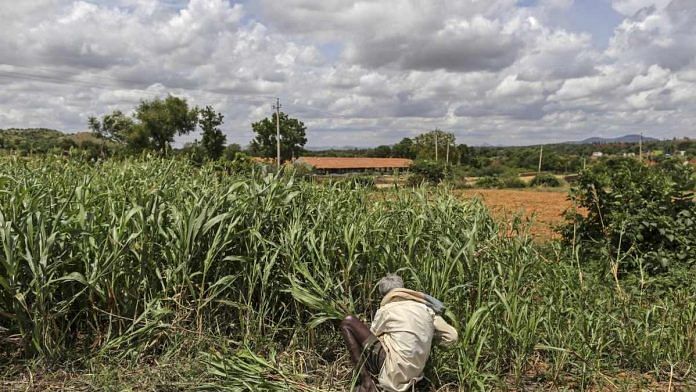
x=355, y=163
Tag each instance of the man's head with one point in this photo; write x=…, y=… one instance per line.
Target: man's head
x=388, y=283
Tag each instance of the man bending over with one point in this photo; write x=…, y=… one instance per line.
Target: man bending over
x=397, y=345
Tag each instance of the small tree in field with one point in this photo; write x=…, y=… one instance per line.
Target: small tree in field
x=213, y=141
x=115, y=127
x=292, y=137
x=162, y=119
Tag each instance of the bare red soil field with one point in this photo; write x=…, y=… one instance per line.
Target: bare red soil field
x=545, y=208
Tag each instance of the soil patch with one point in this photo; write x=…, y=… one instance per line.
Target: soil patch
x=544, y=207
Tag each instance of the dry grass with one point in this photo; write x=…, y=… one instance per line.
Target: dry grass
x=544, y=207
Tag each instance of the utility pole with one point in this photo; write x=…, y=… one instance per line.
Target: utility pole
x=435, y=146
x=277, y=108
x=640, y=147
x=447, y=155
x=541, y=153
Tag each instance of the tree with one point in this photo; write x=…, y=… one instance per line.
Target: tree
x=195, y=152
x=231, y=151
x=115, y=127
x=292, y=137
x=213, y=141
x=380, y=152
x=161, y=120
x=404, y=149
x=425, y=144
x=66, y=144
x=465, y=154
x=427, y=171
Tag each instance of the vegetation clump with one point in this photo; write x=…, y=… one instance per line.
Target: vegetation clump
x=639, y=216
x=425, y=171
x=244, y=274
x=546, y=180
x=507, y=181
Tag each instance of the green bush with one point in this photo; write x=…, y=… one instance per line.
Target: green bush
x=513, y=182
x=458, y=183
x=638, y=216
x=424, y=171
x=546, y=180
x=500, y=182
x=489, y=182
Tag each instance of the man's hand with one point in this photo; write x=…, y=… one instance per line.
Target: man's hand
x=445, y=334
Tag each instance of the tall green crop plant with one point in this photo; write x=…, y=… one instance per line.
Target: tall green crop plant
x=152, y=258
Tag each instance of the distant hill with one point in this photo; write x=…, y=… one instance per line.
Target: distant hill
x=334, y=148
x=620, y=139
x=42, y=139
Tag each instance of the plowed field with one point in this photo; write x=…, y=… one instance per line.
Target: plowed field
x=545, y=208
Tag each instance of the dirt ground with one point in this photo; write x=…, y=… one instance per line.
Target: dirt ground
x=544, y=207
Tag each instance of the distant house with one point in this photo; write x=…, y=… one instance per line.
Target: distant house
x=330, y=165
x=597, y=154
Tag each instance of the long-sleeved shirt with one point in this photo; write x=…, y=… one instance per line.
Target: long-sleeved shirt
x=406, y=330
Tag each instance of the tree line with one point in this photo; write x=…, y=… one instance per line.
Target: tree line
x=155, y=123
x=498, y=160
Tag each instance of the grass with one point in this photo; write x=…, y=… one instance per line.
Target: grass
x=147, y=272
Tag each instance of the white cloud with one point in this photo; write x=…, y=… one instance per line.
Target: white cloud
x=358, y=72
x=630, y=7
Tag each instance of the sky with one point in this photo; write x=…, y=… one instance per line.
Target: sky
x=360, y=73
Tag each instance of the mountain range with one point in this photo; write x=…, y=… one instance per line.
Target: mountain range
x=610, y=140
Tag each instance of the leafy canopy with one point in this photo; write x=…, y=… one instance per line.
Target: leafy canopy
x=638, y=213
x=159, y=120
x=213, y=141
x=292, y=137
x=427, y=171
x=425, y=144
x=116, y=127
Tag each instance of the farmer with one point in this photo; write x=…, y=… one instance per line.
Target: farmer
x=397, y=345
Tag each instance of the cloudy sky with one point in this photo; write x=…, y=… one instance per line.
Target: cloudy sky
x=361, y=73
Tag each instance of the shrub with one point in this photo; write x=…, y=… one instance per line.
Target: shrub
x=459, y=183
x=241, y=164
x=426, y=171
x=489, y=182
x=545, y=180
x=639, y=214
x=513, y=182
x=500, y=182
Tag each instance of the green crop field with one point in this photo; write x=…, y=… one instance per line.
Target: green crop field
x=152, y=274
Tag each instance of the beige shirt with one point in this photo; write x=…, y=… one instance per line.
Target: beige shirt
x=406, y=330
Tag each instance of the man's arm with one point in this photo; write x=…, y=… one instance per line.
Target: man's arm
x=377, y=325
x=445, y=334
